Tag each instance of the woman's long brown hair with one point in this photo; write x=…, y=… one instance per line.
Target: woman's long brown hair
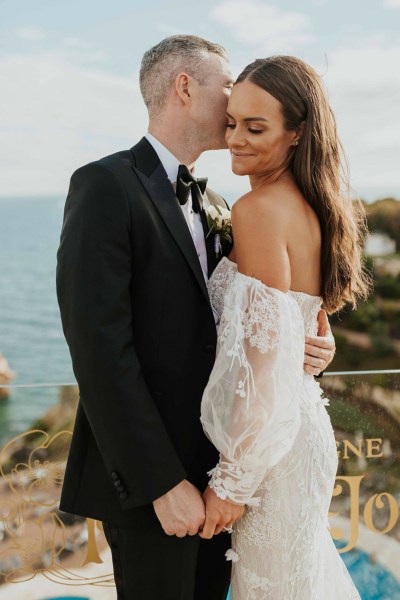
x=317, y=164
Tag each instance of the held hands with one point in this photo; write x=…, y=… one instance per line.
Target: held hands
x=319, y=350
x=181, y=511
x=220, y=514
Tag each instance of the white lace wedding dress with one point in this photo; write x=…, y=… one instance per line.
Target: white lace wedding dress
x=277, y=448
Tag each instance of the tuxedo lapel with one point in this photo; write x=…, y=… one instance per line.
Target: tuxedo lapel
x=212, y=260
x=153, y=177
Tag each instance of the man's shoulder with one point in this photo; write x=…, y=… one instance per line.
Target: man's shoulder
x=116, y=166
x=113, y=162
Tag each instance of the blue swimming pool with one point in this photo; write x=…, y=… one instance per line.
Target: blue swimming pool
x=68, y=598
x=372, y=580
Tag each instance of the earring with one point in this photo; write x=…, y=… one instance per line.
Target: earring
x=296, y=142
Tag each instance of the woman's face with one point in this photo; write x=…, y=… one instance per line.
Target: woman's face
x=256, y=134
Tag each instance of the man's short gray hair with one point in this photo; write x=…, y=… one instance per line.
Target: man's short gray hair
x=162, y=63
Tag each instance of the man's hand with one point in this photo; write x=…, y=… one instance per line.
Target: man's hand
x=319, y=350
x=219, y=514
x=181, y=511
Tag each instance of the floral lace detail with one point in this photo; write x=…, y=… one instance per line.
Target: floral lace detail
x=249, y=352
x=309, y=307
x=233, y=482
x=277, y=447
x=261, y=321
x=257, y=584
x=219, y=283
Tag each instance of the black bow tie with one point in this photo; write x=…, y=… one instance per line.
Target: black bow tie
x=186, y=183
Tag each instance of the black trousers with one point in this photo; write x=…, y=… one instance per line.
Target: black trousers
x=150, y=565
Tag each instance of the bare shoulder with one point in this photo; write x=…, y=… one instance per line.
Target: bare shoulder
x=261, y=229
x=268, y=209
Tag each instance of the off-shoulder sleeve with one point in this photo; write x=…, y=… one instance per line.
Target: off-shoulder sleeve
x=250, y=407
x=219, y=284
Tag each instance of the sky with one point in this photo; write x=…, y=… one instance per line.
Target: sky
x=69, y=80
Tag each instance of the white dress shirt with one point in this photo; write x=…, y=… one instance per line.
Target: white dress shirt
x=193, y=220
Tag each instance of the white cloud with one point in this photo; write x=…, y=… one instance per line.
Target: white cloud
x=391, y=3
x=73, y=42
x=364, y=86
x=264, y=26
x=55, y=116
x=30, y=34
x=79, y=51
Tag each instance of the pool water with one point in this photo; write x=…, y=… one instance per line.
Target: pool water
x=372, y=580
x=68, y=598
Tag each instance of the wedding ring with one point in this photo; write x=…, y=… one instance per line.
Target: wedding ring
x=228, y=529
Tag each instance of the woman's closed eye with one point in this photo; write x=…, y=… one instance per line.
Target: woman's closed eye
x=233, y=125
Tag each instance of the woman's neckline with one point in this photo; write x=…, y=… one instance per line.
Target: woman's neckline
x=295, y=292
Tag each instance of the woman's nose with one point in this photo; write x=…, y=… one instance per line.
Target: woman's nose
x=237, y=138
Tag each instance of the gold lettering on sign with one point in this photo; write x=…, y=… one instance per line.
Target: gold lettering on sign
x=35, y=534
x=374, y=444
x=355, y=450
x=354, y=484
x=377, y=500
x=92, y=552
x=373, y=448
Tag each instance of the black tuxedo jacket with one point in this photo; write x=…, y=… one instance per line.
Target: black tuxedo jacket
x=141, y=333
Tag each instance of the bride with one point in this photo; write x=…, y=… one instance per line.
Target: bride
x=297, y=245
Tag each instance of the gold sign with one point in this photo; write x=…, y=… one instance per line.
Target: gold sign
x=36, y=537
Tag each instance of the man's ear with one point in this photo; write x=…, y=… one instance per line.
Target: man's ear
x=182, y=87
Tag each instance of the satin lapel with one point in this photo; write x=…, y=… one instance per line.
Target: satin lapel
x=209, y=241
x=162, y=194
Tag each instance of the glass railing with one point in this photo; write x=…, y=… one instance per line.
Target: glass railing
x=364, y=408
x=45, y=553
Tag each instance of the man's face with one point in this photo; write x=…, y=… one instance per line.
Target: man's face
x=209, y=103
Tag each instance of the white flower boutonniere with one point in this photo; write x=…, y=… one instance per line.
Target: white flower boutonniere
x=220, y=223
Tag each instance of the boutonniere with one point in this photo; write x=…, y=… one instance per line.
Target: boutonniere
x=220, y=224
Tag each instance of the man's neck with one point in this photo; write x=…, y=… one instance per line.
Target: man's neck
x=177, y=143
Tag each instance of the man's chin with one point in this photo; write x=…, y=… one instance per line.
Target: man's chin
x=218, y=144
x=224, y=145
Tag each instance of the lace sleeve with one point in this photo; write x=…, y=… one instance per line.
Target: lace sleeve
x=250, y=406
x=219, y=283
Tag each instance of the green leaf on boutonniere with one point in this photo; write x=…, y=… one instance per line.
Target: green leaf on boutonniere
x=219, y=221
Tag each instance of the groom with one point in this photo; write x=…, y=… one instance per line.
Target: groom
x=131, y=282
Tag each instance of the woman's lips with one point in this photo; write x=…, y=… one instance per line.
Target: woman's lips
x=240, y=154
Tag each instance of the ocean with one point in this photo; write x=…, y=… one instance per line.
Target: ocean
x=31, y=336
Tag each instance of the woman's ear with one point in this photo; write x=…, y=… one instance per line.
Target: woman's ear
x=299, y=133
